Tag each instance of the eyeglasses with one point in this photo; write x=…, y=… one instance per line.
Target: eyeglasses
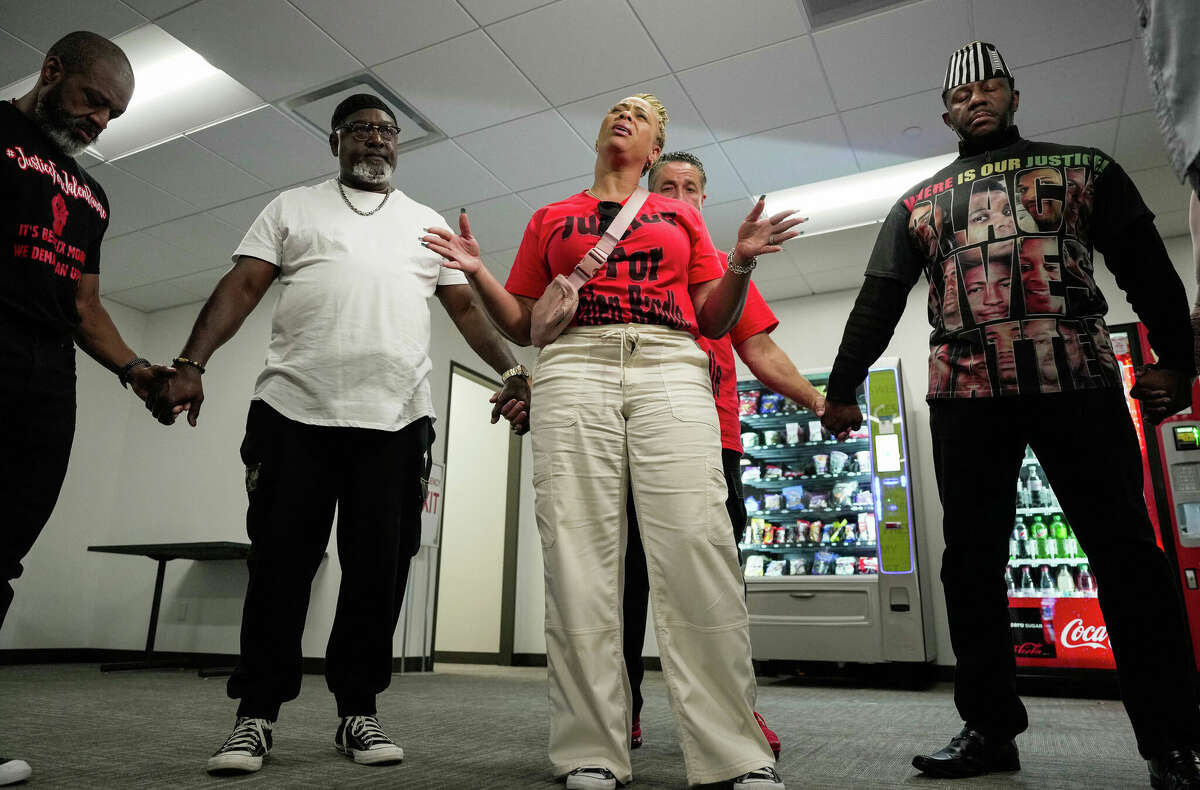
x=362, y=130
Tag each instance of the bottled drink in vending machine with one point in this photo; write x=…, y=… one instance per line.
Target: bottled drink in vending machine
x=1040, y=535
x=1058, y=531
x=1070, y=544
x=1009, y=583
x=1065, y=582
x=1046, y=582
x=1048, y=620
x=1016, y=544
x=1035, y=489
x=1023, y=494
x=1087, y=582
x=1027, y=590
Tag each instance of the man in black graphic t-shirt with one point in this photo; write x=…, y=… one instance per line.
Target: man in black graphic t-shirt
x=1020, y=354
x=52, y=219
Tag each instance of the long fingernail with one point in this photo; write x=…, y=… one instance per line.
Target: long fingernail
x=762, y=197
x=462, y=211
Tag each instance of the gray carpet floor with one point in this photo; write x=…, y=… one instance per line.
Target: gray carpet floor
x=485, y=728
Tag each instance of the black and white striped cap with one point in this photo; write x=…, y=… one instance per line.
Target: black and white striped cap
x=973, y=62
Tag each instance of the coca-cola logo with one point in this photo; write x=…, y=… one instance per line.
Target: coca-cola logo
x=1076, y=634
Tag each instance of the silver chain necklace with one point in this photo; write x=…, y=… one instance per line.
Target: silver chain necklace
x=341, y=189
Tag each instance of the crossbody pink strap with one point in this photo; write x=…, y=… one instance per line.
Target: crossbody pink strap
x=597, y=256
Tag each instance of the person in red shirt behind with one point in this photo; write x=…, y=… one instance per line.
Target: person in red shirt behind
x=623, y=394
x=681, y=176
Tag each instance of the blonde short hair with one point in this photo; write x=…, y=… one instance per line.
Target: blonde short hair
x=661, y=112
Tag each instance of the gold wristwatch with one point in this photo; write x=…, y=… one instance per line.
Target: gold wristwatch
x=519, y=370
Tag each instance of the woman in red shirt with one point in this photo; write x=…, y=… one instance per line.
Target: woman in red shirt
x=624, y=395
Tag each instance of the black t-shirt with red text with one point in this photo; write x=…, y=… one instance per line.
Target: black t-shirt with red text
x=52, y=219
x=1005, y=239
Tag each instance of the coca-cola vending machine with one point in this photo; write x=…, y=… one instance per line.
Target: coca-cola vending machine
x=1055, y=614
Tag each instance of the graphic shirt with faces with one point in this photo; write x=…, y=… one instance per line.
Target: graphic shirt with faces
x=1006, y=241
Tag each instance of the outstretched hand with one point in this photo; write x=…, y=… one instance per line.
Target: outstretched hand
x=460, y=251
x=760, y=235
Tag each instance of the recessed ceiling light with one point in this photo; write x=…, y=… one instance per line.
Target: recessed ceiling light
x=175, y=91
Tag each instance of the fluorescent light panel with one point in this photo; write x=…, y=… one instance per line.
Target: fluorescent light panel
x=176, y=91
x=851, y=201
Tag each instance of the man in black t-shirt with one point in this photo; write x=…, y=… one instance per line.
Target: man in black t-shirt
x=1020, y=354
x=52, y=219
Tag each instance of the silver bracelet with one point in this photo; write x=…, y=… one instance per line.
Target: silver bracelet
x=745, y=268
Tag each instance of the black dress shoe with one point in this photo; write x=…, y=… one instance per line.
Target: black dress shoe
x=970, y=753
x=1174, y=770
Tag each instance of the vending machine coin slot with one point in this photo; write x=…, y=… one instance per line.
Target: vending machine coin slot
x=1189, y=575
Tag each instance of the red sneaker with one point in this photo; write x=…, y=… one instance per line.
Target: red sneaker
x=772, y=738
x=635, y=737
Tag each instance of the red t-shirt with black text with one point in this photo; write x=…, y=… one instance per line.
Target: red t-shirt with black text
x=645, y=280
x=756, y=317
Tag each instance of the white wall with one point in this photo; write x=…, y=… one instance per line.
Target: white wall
x=810, y=329
x=131, y=480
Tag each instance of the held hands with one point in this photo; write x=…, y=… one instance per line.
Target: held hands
x=818, y=406
x=184, y=392
x=1163, y=392
x=460, y=251
x=760, y=235
x=841, y=418
x=150, y=381
x=512, y=403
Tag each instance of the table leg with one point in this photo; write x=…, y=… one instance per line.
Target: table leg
x=149, y=662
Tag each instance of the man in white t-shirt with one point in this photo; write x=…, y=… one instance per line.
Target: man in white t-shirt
x=341, y=416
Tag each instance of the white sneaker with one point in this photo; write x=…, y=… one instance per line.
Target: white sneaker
x=13, y=771
x=362, y=738
x=245, y=749
x=764, y=778
x=591, y=778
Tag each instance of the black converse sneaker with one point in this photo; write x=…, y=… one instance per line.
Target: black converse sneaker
x=764, y=778
x=591, y=778
x=13, y=771
x=243, y=753
x=362, y=738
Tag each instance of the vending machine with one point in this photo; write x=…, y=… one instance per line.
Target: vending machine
x=1055, y=614
x=829, y=549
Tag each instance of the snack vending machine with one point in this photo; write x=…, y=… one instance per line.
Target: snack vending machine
x=829, y=549
x=1055, y=614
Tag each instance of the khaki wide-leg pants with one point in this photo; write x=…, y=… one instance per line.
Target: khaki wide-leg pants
x=633, y=402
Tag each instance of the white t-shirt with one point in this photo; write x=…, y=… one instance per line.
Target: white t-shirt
x=350, y=333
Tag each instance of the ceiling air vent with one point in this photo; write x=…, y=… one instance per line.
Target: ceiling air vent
x=315, y=107
x=826, y=13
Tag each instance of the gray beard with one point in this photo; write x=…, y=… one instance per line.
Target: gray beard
x=52, y=126
x=372, y=174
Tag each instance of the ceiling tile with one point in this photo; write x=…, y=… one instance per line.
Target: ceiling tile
x=498, y=224
x=203, y=239
x=787, y=288
x=844, y=248
x=193, y=173
x=776, y=266
x=42, y=23
x=892, y=54
x=1074, y=90
x=136, y=259
x=793, y=155
x=1172, y=223
x=1161, y=190
x=769, y=87
x=463, y=84
x=691, y=32
x=153, y=9
x=230, y=34
x=602, y=41
x=486, y=12
x=723, y=221
x=559, y=190
x=270, y=146
x=442, y=175
x=155, y=296
x=377, y=30
x=201, y=284
x=1137, y=87
x=899, y=130
x=500, y=263
x=722, y=184
x=17, y=60
x=241, y=214
x=134, y=203
x=685, y=129
x=835, y=280
x=539, y=149
x=1063, y=27
x=1139, y=143
x=1102, y=135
